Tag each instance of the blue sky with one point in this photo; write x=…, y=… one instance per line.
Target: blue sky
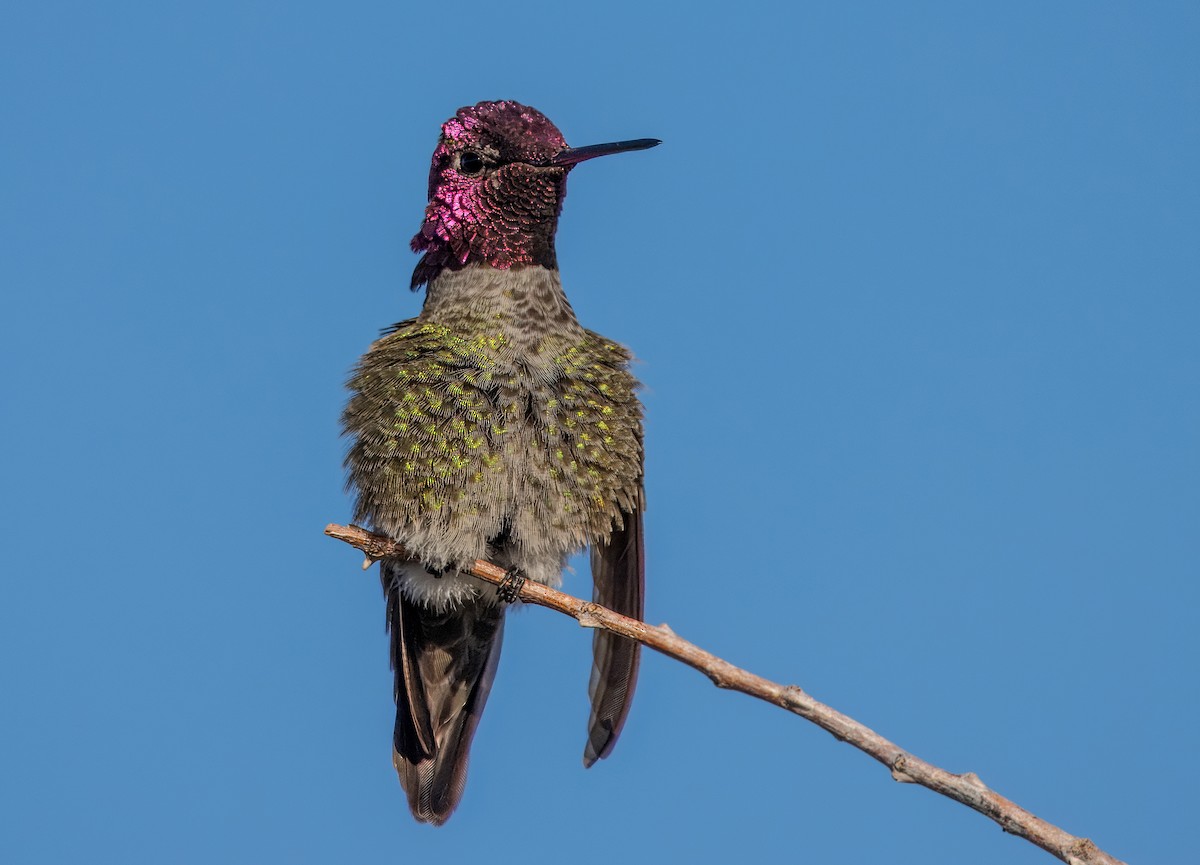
x=914, y=293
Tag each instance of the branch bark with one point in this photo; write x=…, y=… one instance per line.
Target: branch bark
x=966, y=788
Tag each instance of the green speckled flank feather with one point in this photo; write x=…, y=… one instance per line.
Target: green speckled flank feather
x=460, y=438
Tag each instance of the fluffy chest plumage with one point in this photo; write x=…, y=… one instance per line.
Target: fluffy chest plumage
x=469, y=432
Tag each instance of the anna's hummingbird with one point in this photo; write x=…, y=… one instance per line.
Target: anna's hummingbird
x=493, y=426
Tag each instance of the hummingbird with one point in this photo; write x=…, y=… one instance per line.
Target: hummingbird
x=494, y=426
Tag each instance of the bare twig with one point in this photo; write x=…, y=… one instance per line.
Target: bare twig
x=965, y=788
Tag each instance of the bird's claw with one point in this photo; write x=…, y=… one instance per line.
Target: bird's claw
x=509, y=589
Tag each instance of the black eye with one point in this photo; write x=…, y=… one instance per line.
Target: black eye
x=470, y=162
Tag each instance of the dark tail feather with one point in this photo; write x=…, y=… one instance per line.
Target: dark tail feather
x=618, y=572
x=444, y=665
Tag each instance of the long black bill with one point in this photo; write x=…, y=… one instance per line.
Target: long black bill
x=575, y=155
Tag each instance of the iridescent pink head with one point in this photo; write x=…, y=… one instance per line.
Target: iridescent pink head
x=496, y=188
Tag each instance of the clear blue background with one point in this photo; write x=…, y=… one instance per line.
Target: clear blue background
x=914, y=290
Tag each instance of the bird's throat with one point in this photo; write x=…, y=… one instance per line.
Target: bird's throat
x=523, y=309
